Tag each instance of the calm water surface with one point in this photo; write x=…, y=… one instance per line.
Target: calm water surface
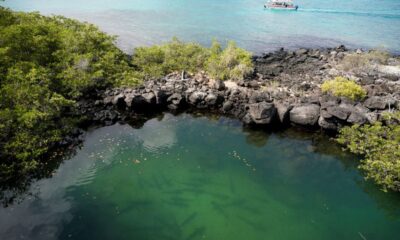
x=185, y=177
x=356, y=23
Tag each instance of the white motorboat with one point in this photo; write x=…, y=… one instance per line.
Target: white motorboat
x=281, y=5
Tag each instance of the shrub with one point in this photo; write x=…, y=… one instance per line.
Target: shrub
x=231, y=63
x=157, y=61
x=343, y=87
x=362, y=61
x=380, y=145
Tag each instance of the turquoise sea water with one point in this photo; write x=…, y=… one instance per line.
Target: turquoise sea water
x=355, y=23
x=190, y=178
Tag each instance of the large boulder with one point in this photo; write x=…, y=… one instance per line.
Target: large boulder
x=197, y=97
x=211, y=99
x=306, y=115
x=283, y=110
x=327, y=124
x=150, y=98
x=357, y=118
x=358, y=115
x=262, y=113
x=341, y=111
x=376, y=102
x=175, y=101
x=227, y=106
x=328, y=101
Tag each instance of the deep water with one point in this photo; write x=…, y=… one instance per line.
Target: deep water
x=186, y=177
x=355, y=23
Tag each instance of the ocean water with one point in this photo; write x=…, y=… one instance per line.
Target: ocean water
x=189, y=178
x=328, y=23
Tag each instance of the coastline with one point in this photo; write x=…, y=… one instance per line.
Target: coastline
x=284, y=90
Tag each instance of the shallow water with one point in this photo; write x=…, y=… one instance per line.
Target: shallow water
x=185, y=177
x=356, y=23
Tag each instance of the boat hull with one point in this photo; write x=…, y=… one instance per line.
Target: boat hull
x=287, y=8
x=282, y=9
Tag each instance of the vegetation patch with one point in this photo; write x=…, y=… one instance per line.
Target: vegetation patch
x=157, y=61
x=231, y=63
x=343, y=87
x=46, y=64
x=380, y=145
x=363, y=61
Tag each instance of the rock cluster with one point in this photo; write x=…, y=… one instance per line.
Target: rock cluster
x=285, y=89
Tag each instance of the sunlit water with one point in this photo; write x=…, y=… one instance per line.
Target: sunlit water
x=356, y=23
x=181, y=177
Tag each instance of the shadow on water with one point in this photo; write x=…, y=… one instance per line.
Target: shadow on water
x=141, y=219
x=389, y=202
x=321, y=143
x=256, y=137
x=16, y=189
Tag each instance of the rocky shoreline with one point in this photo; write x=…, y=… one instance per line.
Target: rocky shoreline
x=284, y=90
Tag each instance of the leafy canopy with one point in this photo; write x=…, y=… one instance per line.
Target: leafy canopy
x=380, y=144
x=46, y=63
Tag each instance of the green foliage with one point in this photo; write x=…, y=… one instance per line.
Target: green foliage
x=157, y=61
x=343, y=87
x=46, y=63
x=380, y=144
x=231, y=63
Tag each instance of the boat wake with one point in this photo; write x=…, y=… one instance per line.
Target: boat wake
x=360, y=13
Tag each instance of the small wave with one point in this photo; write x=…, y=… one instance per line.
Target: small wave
x=362, y=13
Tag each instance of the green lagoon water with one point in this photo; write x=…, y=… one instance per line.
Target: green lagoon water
x=189, y=178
